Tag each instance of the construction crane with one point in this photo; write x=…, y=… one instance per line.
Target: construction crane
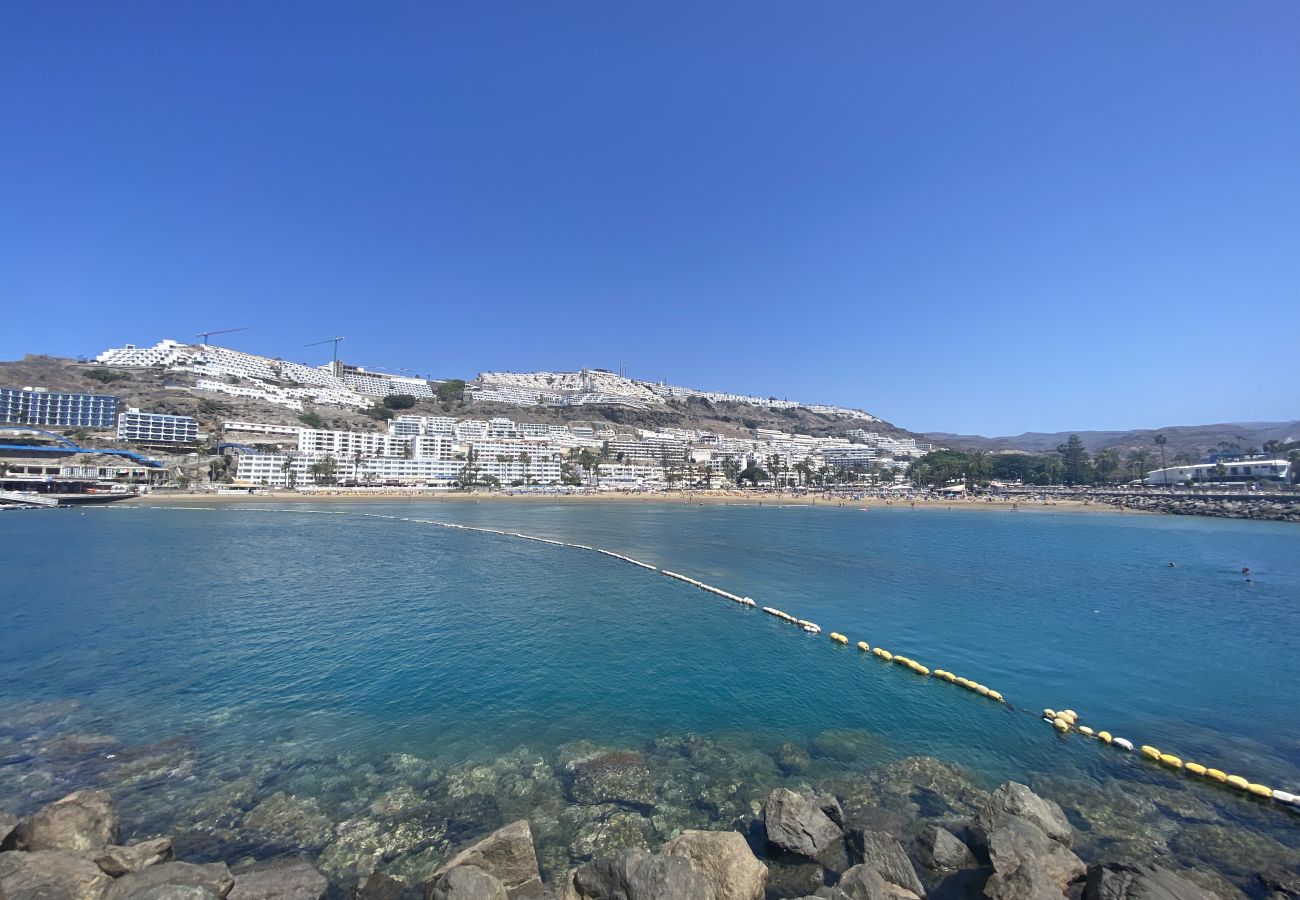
x=334, y=340
x=204, y=335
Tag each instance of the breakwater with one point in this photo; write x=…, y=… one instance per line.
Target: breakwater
x=1273, y=507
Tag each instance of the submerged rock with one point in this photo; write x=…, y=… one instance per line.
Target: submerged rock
x=725, y=861
x=619, y=776
x=1235, y=851
x=8, y=825
x=287, y=821
x=117, y=861
x=604, y=829
x=796, y=824
x=378, y=886
x=1122, y=882
x=298, y=881
x=360, y=845
x=81, y=822
x=50, y=875
x=506, y=854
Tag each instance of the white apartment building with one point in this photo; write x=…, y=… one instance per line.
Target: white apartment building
x=373, y=384
x=164, y=353
x=410, y=426
x=347, y=444
x=651, y=448
x=156, y=428
x=470, y=430
x=235, y=429
x=510, y=462
x=848, y=457
x=629, y=476
x=287, y=469
x=433, y=446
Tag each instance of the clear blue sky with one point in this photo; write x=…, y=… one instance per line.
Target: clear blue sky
x=977, y=217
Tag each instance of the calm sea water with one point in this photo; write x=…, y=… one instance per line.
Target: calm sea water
x=236, y=626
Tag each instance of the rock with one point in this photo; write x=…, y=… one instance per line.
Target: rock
x=156, y=881
x=939, y=848
x=1028, y=881
x=636, y=875
x=865, y=883
x=378, y=886
x=1018, y=842
x=1014, y=799
x=831, y=807
x=81, y=822
x=1233, y=850
x=603, y=830
x=792, y=759
x=506, y=854
x=117, y=861
x=8, y=825
x=1122, y=882
x=299, y=881
x=794, y=823
x=619, y=776
x=883, y=852
x=50, y=875
x=468, y=883
x=725, y=861
x=1281, y=881
x=284, y=820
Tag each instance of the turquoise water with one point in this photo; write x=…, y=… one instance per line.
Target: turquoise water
x=321, y=625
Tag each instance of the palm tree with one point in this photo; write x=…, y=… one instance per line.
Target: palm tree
x=1107, y=462
x=1138, y=460
x=1160, y=441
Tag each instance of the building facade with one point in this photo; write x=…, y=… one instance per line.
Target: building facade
x=37, y=406
x=156, y=428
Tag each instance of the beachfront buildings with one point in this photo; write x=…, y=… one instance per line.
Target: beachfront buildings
x=1228, y=471
x=38, y=406
x=156, y=428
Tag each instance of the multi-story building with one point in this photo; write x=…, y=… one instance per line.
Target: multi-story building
x=511, y=462
x=156, y=428
x=848, y=457
x=650, y=447
x=347, y=444
x=38, y=406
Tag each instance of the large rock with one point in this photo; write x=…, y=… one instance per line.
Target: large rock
x=80, y=823
x=468, y=883
x=619, y=776
x=1028, y=881
x=50, y=875
x=117, y=861
x=506, y=854
x=940, y=849
x=635, y=874
x=160, y=881
x=298, y=881
x=865, y=883
x=378, y=886
x=1018, y=842
x=796, y=824
x=725, y=861
x=886, y=855
x=1014, y=799
x=1121, y=882
x=8, y=825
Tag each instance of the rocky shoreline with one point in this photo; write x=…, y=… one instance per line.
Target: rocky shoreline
x=1221, y=507
x=1018, y=846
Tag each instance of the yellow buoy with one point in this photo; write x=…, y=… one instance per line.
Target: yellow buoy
x=1084, y=729
x=1171, y=761
x=1049, y=714
x=886, y=655
x=949, y=677
x=981, y=690
x=862, y=645
x=1103, y=736
x=922, y=670
x=1195, y=768
x=994, y=695
x=1216, y=774
x=1060, y=724
x=1260, y=791
x=1238, y=782
x=964, y=682
x=1150, y=752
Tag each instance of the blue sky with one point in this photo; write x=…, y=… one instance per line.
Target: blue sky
x=970, y=217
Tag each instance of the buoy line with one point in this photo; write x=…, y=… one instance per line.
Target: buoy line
x=1064, y=722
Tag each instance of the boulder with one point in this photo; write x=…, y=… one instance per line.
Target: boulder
x=865, y=883
x=635, y=874
x=1018, y=842
x=161, y=881
x=117, y=861
x=1028, y=881
x=378, y=886
x=506, y=854
x=1142, y=882
x=619, y=776
x=50, y=875
x=828, y=804
x=468, y=883
x=8, y=826
x=940, y=849
x=298, y=881
x=81, y=822
x=796, y=824
x=1014, y=799
x=883, y=852
x=725, y=861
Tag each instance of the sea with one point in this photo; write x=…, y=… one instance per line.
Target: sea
x=354, y=661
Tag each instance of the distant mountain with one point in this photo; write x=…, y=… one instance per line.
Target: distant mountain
x=1197, y=439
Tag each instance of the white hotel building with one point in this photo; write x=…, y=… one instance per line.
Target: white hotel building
x=156, y=428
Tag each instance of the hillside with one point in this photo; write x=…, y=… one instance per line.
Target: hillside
x=173, y=392
x=1196, y=439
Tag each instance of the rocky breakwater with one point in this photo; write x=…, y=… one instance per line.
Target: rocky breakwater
x=1228, y=507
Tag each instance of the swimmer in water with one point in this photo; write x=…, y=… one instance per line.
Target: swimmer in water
x=1172, y=565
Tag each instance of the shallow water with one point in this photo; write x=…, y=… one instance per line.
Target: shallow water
x=325, y=640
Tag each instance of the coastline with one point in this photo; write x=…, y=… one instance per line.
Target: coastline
x=772, y=501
